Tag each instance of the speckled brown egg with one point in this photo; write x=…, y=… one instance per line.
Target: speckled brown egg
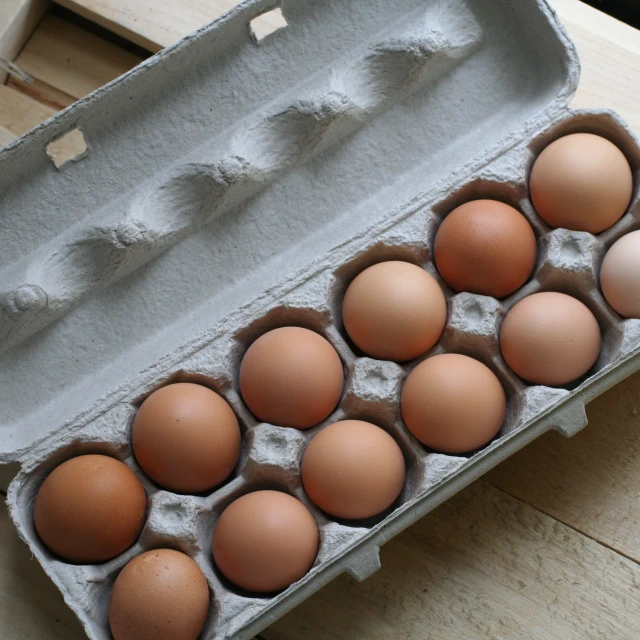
x=90, y=509
x=550, y=338
x=485, y=247
x=394, y=311
x=265, y=541
x=186, y=438
x=291, y=377
x=453, y=403
x=353, y=469
x=159, y=595
x=581, y=182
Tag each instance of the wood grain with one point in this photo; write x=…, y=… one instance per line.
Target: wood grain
x=591, y=481
x=150, y=24
x=483, y=565
x=19, y=113
x=69, y=61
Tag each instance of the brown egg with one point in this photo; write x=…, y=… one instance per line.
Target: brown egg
x=485, y=247
x=581, y=182
x=394, y=311
x=620, y=275
x=550, y=338
x=453, y=403
x=159, y=595
x=186, y=438
x=90, y=509
x=291, y=377
x=353, y=469
x=265, y=541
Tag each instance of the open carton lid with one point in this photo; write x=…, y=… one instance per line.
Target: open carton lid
x=225, y=165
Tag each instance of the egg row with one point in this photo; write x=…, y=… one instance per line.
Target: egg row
x=293, y=377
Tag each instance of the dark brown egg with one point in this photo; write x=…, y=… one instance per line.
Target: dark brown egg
x=485, y=247
x=90, y=509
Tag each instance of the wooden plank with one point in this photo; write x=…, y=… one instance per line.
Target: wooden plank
x=71, y=60
x=18, y=19
x=483, y=565
x=31, y=607
x=150, y=24
x=42, y=93
x=19, y=113
x=591, y=481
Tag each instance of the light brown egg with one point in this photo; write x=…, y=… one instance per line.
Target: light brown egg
x=90, y=509
x=353, y=469
x=453, y=403
x=159, y=595
x=291, y=377
x=394, y=311
x=485, y=247
x=550, y=338
x=620, y=275
x=186, y=438
x=265, y=541
x=581, y=182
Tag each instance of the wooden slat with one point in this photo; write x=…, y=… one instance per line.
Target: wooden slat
x=19, y=113
x=42, y=92
x=31, y=607
x=483, y=565
x=150, y=24
x=18, y=19
x=70, y=61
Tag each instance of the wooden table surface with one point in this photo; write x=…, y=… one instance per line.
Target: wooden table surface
x=546, y=546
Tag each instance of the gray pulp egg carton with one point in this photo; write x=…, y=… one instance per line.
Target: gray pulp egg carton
x=231, y=186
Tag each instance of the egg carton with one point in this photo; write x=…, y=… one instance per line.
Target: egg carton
x=191, y=227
